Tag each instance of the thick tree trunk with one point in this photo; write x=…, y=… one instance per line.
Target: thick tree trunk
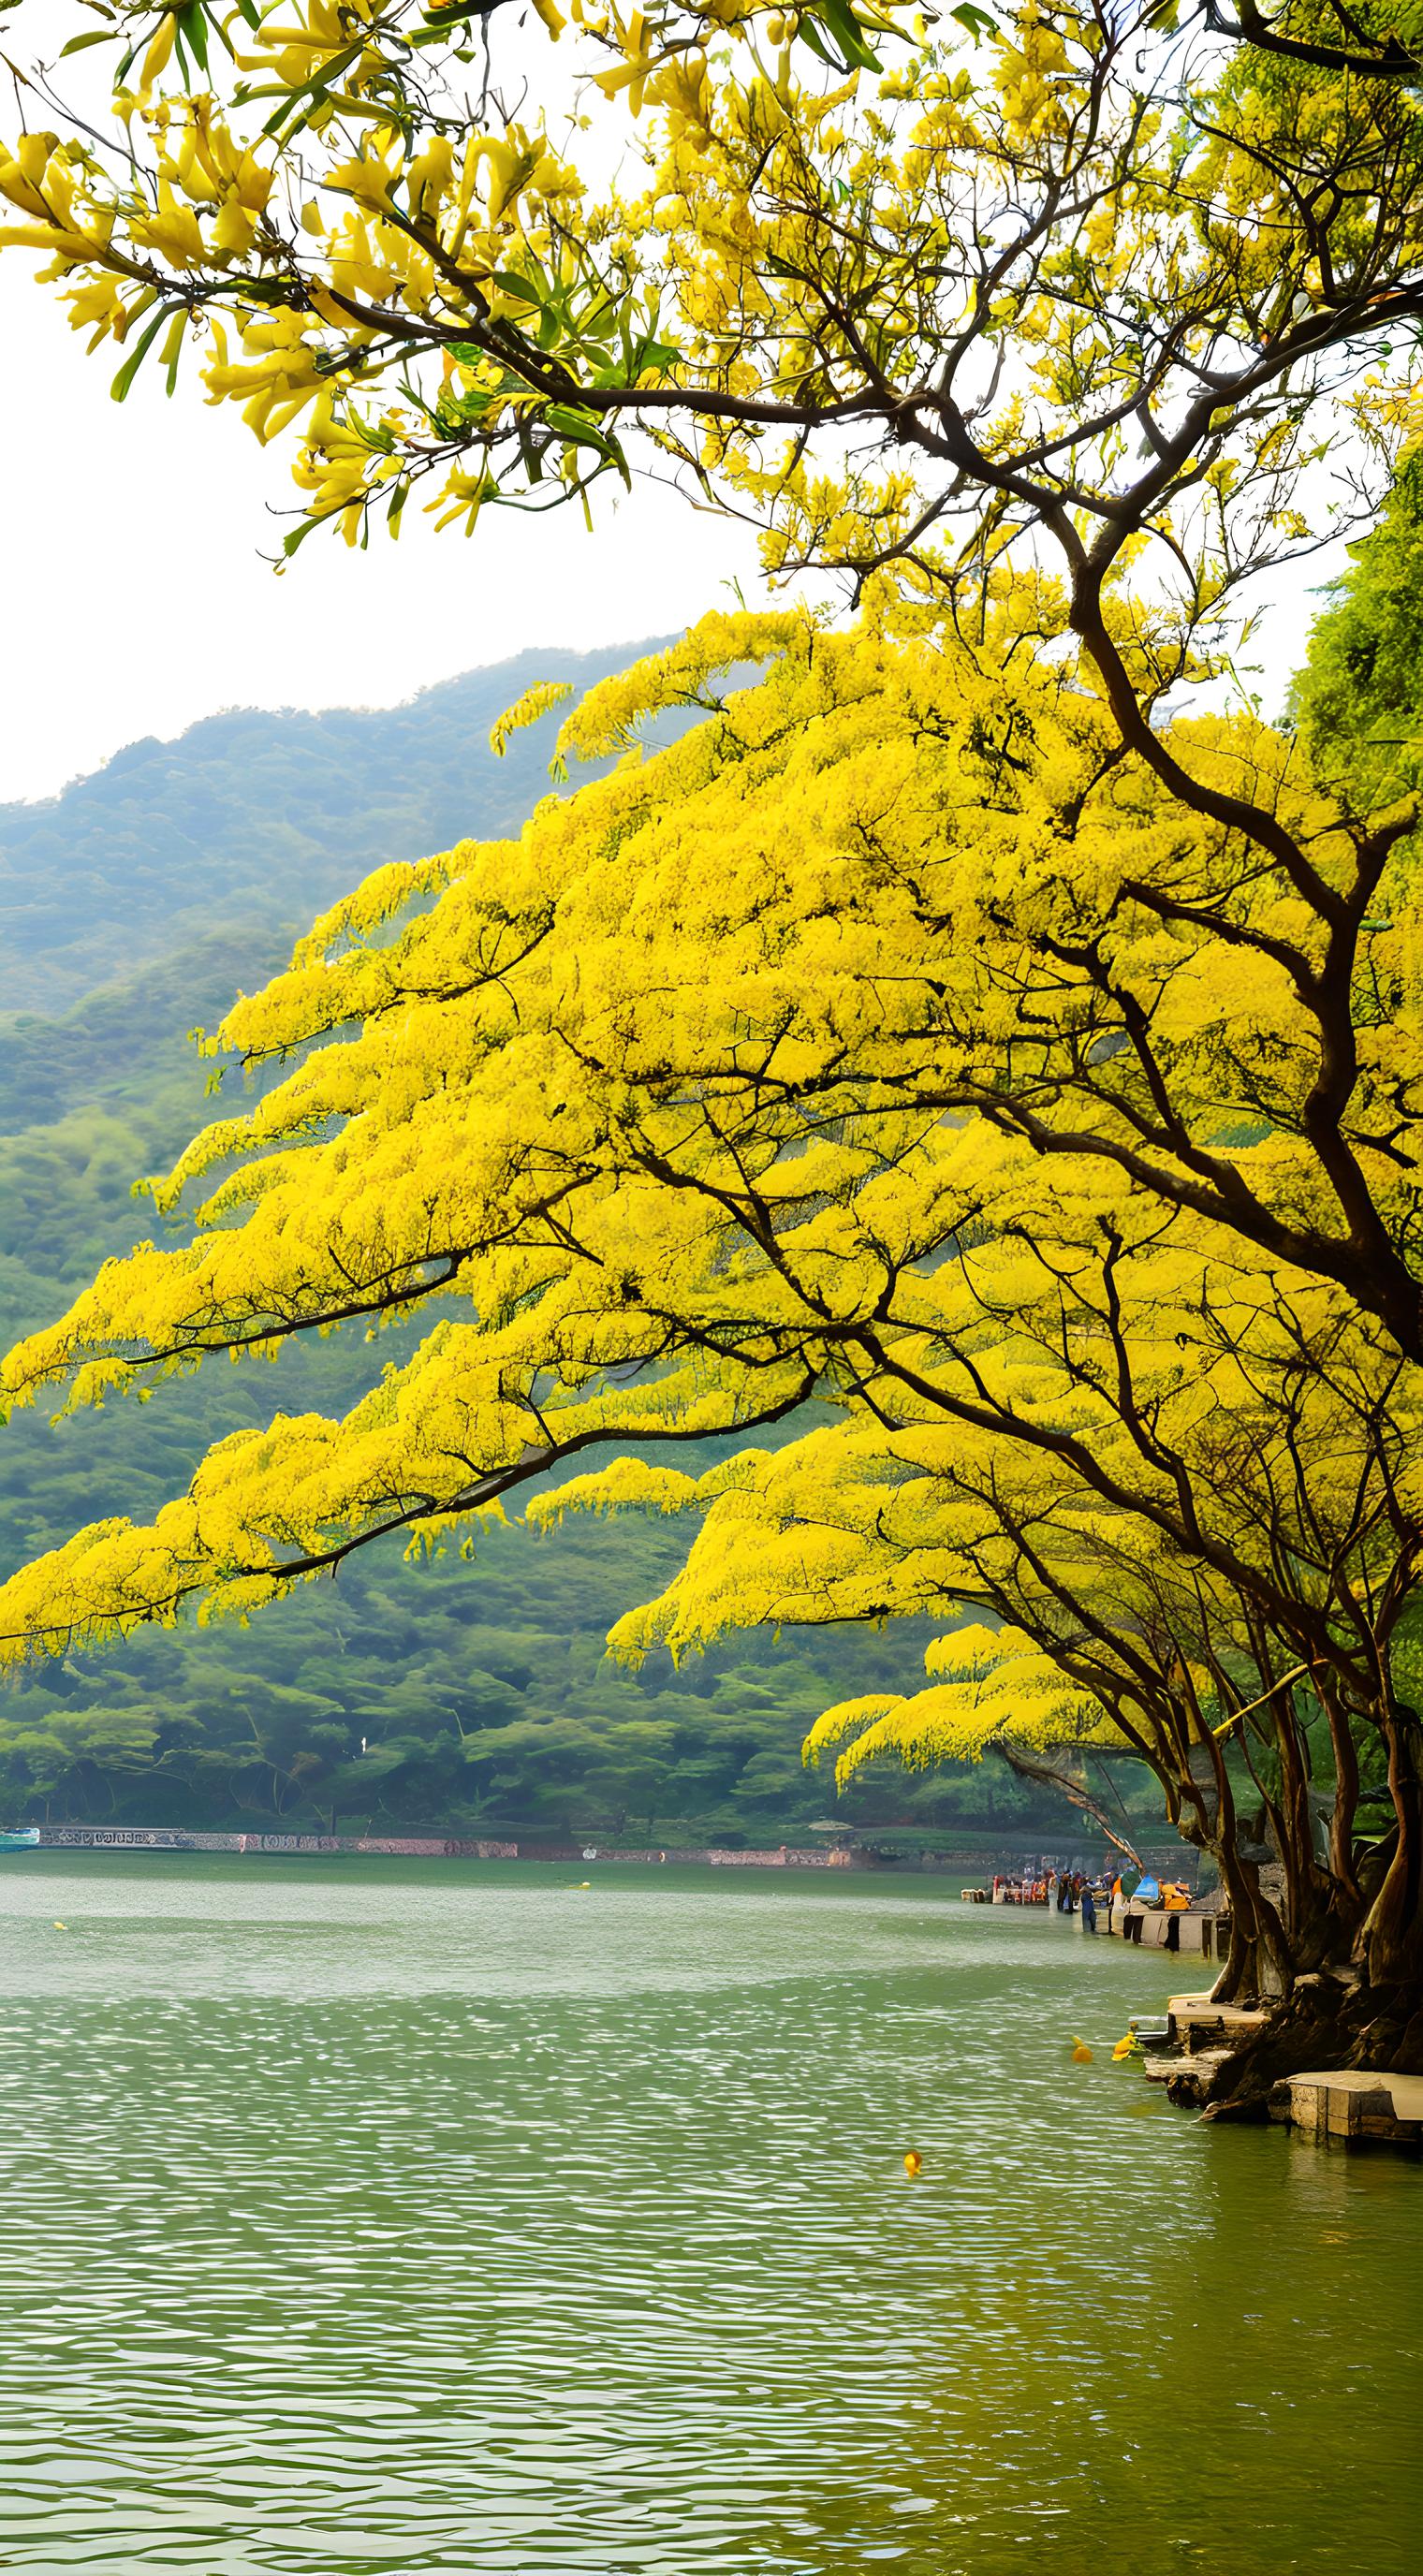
x=1359, y=2005
x=1258, y=1967
x=1312, y=1927
x=1392, y=1941
x=1331, y=1946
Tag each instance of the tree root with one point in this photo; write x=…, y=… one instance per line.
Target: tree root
x=1324, y=2023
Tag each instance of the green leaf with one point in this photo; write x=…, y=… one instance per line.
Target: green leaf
x=808, y=36
x=578, y=429
x=841, y=23
x=296, y=537
x=119, y=388
x=598, y=325
x=976, y=22
x=193, y=26
x=315, y=89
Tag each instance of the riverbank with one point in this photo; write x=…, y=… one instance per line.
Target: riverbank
x=1200, y=1929
x=176, y=1838
x=954, y=1859
x=1350, y=2106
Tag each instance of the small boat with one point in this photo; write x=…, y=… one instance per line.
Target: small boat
x=19, y=1838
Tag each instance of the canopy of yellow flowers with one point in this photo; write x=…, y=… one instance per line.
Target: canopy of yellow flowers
x=795, y=1059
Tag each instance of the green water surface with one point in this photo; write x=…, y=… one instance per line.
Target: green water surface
x=375, y=2215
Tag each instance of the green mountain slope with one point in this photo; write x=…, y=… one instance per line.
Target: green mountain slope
x=257, y=819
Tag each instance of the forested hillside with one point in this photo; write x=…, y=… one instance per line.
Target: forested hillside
x=480, y=1691
x=254, y=820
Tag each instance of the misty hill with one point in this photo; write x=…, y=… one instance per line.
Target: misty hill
x=258, y=819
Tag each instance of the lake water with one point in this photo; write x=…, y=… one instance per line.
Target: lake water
x=377, y=2215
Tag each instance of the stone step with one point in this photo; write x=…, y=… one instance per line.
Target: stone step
x=1190, y=2016
x=1353, y=2105
x=1195, y=2070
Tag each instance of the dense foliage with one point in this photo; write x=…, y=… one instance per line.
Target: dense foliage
x=1357, y=700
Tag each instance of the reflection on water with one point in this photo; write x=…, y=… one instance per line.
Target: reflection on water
x=384, y=2215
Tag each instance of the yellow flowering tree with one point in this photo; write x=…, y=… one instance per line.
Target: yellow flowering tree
x=1251, y=1700
x=1060, y=316
x=648, y=1106
x=941, y=1029
x=1056, y=278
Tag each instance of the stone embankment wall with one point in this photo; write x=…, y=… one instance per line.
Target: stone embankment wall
x=178, y=1838
x=447, y=1847
x=483, y=1847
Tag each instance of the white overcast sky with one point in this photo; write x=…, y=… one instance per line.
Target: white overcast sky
x=134, y=597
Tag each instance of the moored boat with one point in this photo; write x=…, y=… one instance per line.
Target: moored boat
x=19, y=1838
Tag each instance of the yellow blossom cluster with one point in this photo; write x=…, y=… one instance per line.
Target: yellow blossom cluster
x=902, y=290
